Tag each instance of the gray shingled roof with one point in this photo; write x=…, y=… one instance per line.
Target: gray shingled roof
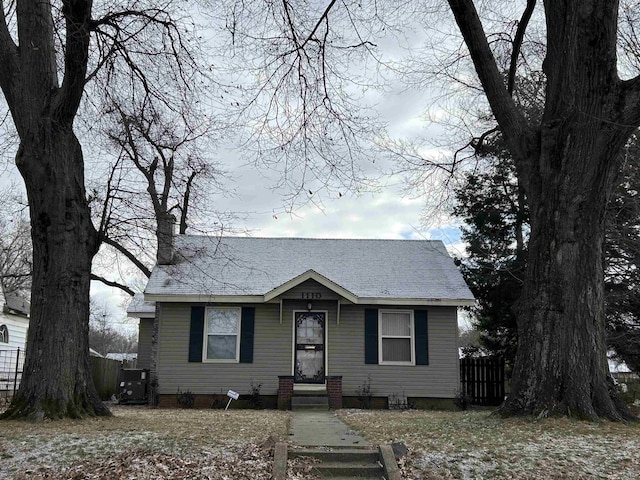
x=383, y=269
x=139, y=308
x=16, y=301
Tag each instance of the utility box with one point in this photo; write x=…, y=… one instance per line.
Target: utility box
x=133, y=386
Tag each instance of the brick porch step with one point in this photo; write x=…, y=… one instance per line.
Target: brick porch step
x=309, y=402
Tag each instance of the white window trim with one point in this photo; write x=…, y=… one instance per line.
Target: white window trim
x=413, y=337
x=205, y=339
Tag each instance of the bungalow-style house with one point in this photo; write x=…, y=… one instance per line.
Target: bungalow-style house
x=340, y=318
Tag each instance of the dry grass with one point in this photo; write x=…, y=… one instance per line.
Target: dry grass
x=144, y=443
x=475, y=445
x=136, y=441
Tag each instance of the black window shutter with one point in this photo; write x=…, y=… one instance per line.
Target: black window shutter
x=371, y=335
x=196, y=332
x=422, y=337
x=247, y=323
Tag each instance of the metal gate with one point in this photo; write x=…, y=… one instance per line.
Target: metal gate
x=11, y=366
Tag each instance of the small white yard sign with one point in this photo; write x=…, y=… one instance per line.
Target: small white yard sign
x=232, y=396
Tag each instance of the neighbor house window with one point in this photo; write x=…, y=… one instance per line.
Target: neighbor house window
x=396, y=337
x=4, y=334
x=222, y=339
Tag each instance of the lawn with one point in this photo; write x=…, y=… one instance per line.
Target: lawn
x=143, y=443
x=475, y=445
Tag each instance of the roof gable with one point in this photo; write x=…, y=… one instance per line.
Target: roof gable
x=310, y=275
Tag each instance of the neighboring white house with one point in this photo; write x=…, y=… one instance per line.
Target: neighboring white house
x=14, y=325
x=14, y=321
x=619, y=370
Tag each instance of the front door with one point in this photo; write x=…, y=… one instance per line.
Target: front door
x=309, y=348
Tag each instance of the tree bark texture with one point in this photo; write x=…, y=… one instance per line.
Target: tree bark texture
x=57, y=379
x=567, y=165
x=561, y=365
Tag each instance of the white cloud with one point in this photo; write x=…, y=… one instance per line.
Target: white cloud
x=371, y=215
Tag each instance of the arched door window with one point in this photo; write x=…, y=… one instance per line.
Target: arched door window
x=4, y=334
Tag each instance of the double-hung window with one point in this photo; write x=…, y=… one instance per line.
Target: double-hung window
x=4, y=334
x=396, y=337
x=222, y=338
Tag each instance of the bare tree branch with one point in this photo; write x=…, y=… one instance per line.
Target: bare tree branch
x=517, y=44
x=184, y=210
x=324, y=18
x=132, y=258
x=78, y=35
x=8, y=59
x=111, y=283
x=511, y=121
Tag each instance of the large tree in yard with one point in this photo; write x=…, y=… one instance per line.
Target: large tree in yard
x=567, y=163
x=49, y=52
x=64, y=242
x=495, y=229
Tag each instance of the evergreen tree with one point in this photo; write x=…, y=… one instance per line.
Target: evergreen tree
x=492, y=207
x=622, y=277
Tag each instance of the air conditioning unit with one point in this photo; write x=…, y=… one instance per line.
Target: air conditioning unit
x=133, y=386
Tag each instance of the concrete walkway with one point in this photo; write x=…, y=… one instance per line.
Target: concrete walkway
x=312, y=428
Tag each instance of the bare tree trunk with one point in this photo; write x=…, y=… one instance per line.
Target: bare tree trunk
x=64, y=243
x=561, y=366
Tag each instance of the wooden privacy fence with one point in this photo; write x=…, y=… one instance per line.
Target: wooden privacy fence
x=106, y=373
x=482, y=379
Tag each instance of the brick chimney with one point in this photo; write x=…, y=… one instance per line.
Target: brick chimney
x=165, y=234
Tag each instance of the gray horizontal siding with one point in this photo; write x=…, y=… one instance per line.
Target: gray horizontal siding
x=272, y=355
x=439, y=379
x=145, y=332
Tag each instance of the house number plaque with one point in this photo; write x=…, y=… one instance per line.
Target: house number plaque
x=311, y=295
